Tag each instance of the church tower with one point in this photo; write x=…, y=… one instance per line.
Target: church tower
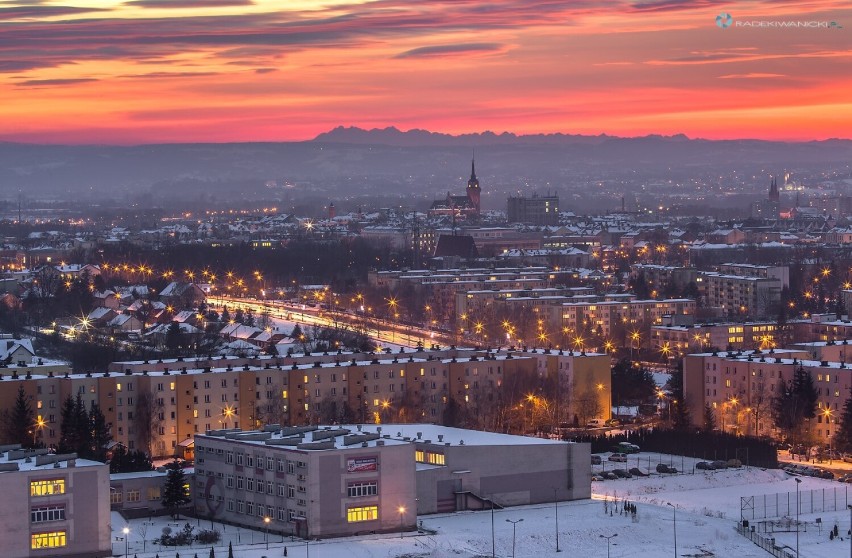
x=773, y=190
x=473, y=189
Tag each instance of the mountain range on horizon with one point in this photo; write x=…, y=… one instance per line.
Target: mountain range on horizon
x=352, y=161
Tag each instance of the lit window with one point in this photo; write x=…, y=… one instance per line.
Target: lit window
x=56, y=539
x=366, y=513
x=47, y=487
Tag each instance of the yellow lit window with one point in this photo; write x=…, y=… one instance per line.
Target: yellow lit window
x=172, y=386
x=195, y=413
x=284, y=394
x=365, y=513
x=117, y=387
x=435, y=458
x=47, y=487
x=55, y=539
x=420, y=456
x=401, y=373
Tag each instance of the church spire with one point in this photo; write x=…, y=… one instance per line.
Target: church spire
x=773, y=190
x=473, y=166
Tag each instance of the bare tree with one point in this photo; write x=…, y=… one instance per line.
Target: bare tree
x=146, y=421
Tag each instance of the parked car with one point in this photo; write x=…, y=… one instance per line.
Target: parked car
x=704, y=466
x=597, y=477
x=596, y=460
x=622, y=474
x=626, y=447
x=609, y=475
x=663, y=468
x=735, y=463
x=612, y=422
x=620, y=457
x=637, y=472
x=719, y=464
x=596, y=423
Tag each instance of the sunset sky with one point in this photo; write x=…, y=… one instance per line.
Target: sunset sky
x=142, y=71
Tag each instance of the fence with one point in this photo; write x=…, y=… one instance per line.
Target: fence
x=783, y=504
x=766, y=543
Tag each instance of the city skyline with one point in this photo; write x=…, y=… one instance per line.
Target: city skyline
x=148, y=71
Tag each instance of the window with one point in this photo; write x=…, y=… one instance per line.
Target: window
x=154, y=493
x=239, y=459
x=54, y=539
x=229, y=457
x=270, y=463
x=249, y=508
x=241, y=506
x=282, y=514
x=230, y=481
x=48, y=513
x=250, y=484
x=291, y=467
x=291, y=491
x=115, y=497
x=249, y=461
x=230, y=505
x=47, y=487
x=133, y=496
x=281, y=465
x=240, y=482
x=365, y=513
x=359, y=489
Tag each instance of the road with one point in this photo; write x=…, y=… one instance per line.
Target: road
x=376, y=329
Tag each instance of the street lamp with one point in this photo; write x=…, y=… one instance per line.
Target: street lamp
x=674, y=511
x=798, y=482
x=266, y=521
x=607, y=542
x=490, y=501
x=514, y=526
x=401, y=516
x=126, y=532
x=556, y=512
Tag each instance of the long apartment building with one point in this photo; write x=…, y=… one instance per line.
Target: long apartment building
x=739, y=387
x=156, y=406
x=629, y=314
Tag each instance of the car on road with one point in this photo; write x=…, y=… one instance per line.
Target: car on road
x=612, y=422
x=596, y=423
x=620, y=457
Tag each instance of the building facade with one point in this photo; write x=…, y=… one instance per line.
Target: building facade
x=54, y=505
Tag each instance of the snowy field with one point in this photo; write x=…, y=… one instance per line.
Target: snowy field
x=706, y=504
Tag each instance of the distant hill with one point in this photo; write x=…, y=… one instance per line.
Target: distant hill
x=349, y=161
x=424, y=138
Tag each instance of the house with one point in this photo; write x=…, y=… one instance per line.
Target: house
x=101, y=315
x=16, y=350
x=107, y=299
x=125, y=323
x=182, y=295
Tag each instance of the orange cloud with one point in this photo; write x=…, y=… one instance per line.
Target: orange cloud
x=241, y=70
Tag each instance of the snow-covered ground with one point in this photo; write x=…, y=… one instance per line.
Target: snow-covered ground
x=707, y=511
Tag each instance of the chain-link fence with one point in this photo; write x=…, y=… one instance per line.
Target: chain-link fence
x=783, y=504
